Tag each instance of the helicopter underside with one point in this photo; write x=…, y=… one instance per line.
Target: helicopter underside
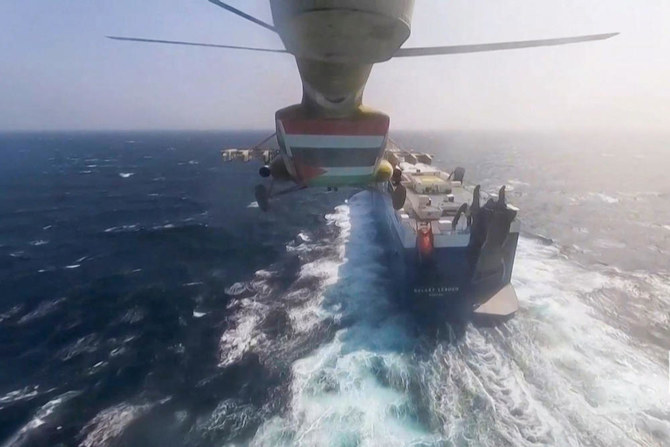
x=336, y=43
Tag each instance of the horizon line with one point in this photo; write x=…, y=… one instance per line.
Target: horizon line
x=426, y=130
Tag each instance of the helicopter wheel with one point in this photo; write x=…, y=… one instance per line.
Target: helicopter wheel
x=398, y=196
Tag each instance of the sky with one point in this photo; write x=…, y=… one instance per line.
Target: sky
x=58, y=72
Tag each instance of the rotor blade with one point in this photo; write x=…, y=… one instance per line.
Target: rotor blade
x=458, y=49
x=244, y=15
x=196, y=44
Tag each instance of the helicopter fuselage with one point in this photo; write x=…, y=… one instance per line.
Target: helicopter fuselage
x=330, y=139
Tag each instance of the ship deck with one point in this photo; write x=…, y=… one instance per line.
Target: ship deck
x=434, y=201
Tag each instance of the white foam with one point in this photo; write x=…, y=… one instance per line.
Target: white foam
x=608, y=243
x=605, y=198
x=561, y=372
x=126, y=174
x=584, y=374
x=242, y=335
x=110, y=423
x=264, y=274
x=19, y=395
x=230, y=418
x=352, y=390
x=121, y=228
x=40, y=418
x=42, y=310
x=253, y=301
x=517, y=182
x=236, y=289
x=594, y=196
x=245, y=314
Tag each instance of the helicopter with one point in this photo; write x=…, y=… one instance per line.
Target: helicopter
x=330, y=139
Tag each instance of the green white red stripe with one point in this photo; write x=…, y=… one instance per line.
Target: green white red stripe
x=333, y=152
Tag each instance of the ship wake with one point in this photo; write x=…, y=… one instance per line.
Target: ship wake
x=360, y=372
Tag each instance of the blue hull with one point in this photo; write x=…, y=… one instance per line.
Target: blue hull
x=442, y=285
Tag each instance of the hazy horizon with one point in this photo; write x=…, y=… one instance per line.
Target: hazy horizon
x=59, y=73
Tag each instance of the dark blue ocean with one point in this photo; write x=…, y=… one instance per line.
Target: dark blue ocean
x=146, y=301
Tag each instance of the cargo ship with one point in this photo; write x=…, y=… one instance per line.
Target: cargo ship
x=452, y=245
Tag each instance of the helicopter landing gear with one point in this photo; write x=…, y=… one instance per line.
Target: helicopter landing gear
x=263, y=194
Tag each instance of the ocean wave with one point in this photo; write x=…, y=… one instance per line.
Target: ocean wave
x=24, y=393
x=43, y=309
x=11, y=312
x=604, y=197
x=84, y=345
x=559, y=373
x=188, y=222
x=230, y=420
x=573, y=359
x=108, y=425
x=353, y=390
x=122, y=228
x=259, y=310
x=594, y=196
x=237, y=289
x=242, y=334
x=517, y=182
x=26, y=435
x=609, y=244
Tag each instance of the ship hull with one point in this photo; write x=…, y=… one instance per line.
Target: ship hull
x=442, y=285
